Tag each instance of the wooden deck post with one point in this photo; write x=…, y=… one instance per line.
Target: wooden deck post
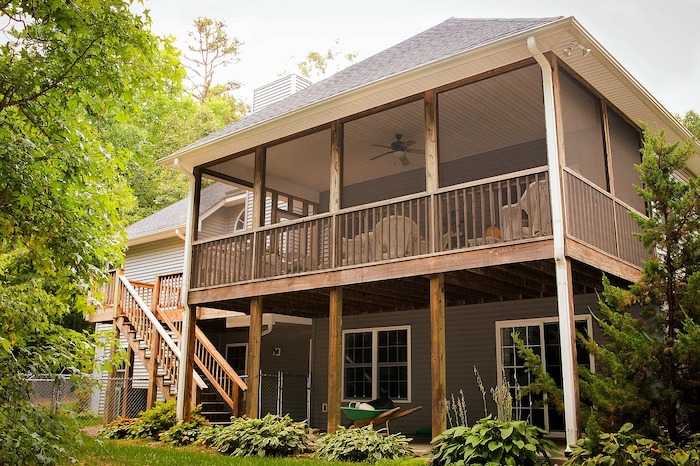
x=432, y=179
x=254, y=344
x=335, y=330
x=126, y=380
x=189, y=313
x=437, y=353
x=259, y=187
x=154, y=345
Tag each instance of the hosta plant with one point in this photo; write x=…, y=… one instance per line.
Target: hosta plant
x=269, y=436
x=185, y=433
x=119, y=428
x=362, y=445
x=624, y=447
x=491, y=442
x=152, y=422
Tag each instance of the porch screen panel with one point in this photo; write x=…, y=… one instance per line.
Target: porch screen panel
x=625, y=143
x=583, y=131
x=492, y=127
x=392, y=359
x=384, y=155
x=357, y=363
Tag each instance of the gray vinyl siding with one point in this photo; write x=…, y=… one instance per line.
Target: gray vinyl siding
x=221, y=222
x=147, y=261
x=470, y=341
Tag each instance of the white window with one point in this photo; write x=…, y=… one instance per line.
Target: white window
x=542, y=337
x=377, y=364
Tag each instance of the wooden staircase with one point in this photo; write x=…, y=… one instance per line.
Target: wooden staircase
x=141, y=310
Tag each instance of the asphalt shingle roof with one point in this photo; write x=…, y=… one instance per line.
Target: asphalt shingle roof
x=175, y=215
x=451, y=37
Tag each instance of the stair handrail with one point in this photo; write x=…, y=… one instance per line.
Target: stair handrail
x=159, y=327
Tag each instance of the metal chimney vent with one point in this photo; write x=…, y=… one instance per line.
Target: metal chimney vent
x=278, y=90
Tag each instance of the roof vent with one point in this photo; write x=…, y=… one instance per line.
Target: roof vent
x=278, y=90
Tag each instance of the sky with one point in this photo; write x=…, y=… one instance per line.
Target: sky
x=657, y=41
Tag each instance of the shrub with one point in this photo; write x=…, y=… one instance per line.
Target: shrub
x=152, y=422
x=269, y=436
x=625, y=447
x=119, y=428
x=491, y=441
x=185, y=433
x=362, y=445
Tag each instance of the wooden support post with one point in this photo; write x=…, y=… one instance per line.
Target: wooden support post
x=336, y=184
x=437, y=353
x=432, y=178
x=335, y=330
x=187, y=387
x=114, y=345
x=154, y=347
x=259, y=187
x=254, y=344
x=126, y=381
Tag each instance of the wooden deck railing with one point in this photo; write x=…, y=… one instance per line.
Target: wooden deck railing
x=149, y=331
x=501, y=209
x=597, y=218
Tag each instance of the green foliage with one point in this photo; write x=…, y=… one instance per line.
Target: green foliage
x=185, y=433
x=624, y=448
x=152, y=422
x=648, y=368
x=119, y=428
x=269, y=436
x=362, y=445
x=490, y=441
x=542, y=382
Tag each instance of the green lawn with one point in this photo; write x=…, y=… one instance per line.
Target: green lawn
x=139, y=453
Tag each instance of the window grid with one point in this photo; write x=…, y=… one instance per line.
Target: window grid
x=376, y=363
x=542, y=336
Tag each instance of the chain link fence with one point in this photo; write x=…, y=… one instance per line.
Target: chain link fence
x=285, y=393
x=105, y=396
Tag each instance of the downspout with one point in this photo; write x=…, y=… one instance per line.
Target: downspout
x=184, y=289
x=563, y=277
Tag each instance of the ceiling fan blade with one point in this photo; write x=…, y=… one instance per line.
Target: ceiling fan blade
x=409, y=143
x=382, y=154
x=382, y=146
x=415, y=152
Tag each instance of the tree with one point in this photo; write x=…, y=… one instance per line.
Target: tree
x=648, y=364
x=65, y=67
x=317, y=65
x=213, y=49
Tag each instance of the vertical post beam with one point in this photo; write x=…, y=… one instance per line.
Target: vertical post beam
x=336, y=182
x=432, y=177
x=254, y=344
x=437, y=353
x=154, y=346
x=189, y=315
x=335, y=329
x=565, y=308
x=259, y=187
x=116, y=296
x=126, y=380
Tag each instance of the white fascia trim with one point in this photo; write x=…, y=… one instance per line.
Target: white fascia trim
x=395, y=79
x=229, y=201
x=155, y=236
x=268, y=320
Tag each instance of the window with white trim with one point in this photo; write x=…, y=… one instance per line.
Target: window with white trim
x=542, y=337
x=376, y=363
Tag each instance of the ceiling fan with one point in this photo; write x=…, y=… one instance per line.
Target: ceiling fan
x=400, y=147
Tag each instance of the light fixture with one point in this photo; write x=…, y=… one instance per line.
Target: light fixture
x=575, y=48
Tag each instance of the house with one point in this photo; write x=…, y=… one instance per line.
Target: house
x=418, y=207
x=154, y=259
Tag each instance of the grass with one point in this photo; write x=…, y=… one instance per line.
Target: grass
x=140, y=453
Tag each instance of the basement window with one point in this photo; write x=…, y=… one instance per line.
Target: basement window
x=376, y=364
x=542, y=337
